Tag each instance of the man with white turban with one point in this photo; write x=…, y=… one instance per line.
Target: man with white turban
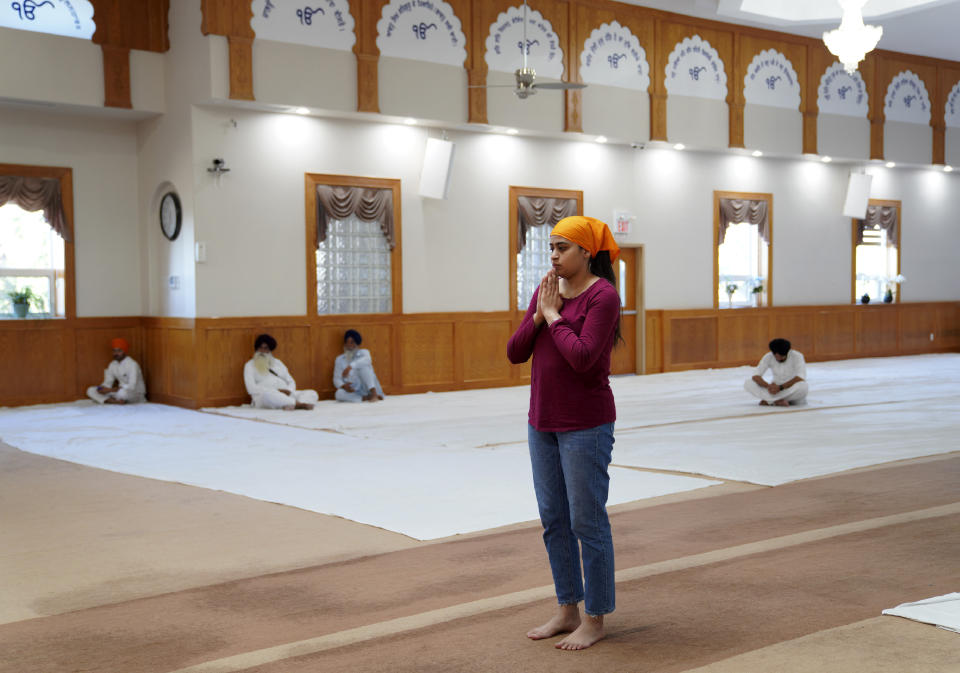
x=122, y=380
x=269, y=382
x=353, y=374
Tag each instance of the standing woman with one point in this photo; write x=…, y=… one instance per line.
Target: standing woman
x=569, y=329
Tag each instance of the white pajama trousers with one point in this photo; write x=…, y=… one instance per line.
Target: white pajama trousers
x=794, y=394
x=101, y=398
x=362, y=379
x=274, y=399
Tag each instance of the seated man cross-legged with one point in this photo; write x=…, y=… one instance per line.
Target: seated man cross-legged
x=353, y=373
x=122, y=380
x=789, y=371
x=269, y=383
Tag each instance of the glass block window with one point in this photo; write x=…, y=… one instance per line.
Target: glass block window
x=533, y=262
x=353, y=269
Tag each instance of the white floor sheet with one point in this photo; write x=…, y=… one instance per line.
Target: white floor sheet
x=942, y=611
x=437, y=464
x=404, y=485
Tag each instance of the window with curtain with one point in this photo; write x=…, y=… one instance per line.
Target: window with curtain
x=33, y=241
x=356, y=257
x=742, y=253
x=535, y=219
x=876, y=264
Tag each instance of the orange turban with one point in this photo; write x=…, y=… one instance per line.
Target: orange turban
x=589, y=233
x=120, y=343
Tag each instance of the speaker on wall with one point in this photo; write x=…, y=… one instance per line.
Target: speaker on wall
x=437, y=162
x=858, y=196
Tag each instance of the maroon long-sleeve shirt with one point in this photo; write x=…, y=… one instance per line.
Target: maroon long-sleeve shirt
x=570, y=375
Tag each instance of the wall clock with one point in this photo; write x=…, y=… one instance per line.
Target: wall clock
x=170, y=215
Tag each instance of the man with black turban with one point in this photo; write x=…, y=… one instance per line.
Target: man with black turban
x=269, y=383
x=353, y=373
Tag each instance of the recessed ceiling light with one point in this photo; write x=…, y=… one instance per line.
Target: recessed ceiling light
x=601, y=139
x=826, y=160
x=757, y=153
x=410, y=121
x=890, y=164
x=302, y=110
x=947, y=169
x=679, y=146
x=513, y=132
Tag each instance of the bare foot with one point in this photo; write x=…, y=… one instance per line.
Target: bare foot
x=304, y=405
x=566, y=620
x=372, y=396
x=764, y=403
x=782, y=403
x=589, y=632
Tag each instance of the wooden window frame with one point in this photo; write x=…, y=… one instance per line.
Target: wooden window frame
x=536, y=192
x=65, y=176
x=853, y=246
x=311, y=181
x=753, y=196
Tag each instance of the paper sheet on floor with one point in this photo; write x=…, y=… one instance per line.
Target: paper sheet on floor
x=942, y=611
x=404, y=485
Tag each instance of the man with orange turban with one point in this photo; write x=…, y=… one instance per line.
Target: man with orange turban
x=122, y=380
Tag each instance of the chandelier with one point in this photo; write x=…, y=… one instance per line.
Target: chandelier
x=852, y=40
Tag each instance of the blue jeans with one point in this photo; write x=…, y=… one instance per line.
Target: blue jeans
x=571, y=481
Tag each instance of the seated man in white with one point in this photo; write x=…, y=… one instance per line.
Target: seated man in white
x=353, y=373
x=122, y=379
x=789, y=373
x=269, y=383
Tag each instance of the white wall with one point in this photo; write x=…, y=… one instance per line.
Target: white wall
x=103, y=155
x=52, y=68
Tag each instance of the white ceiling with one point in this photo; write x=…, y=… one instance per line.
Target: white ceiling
x=921, y=27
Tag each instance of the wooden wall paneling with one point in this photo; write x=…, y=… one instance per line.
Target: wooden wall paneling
x=654, y=341
x=482, y=350
x=689, y=339
x=366, y=14
x=870, y=72
x=877, y=330
x=379, y=337
x=477, y=65
x=427, y=353
x=658, y=88
x=797, y=327
x=835, y=332
x=947, y=336
x=38, y=363
x=917, y=323
x=231, y=18
x=818, y=60
x=742, y=334
x=134, y=25
x=623, y=358
x=180, y=358
x=116, y=76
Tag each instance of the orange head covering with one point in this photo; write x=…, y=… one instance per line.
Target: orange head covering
x=120, y=343
x=589, y=233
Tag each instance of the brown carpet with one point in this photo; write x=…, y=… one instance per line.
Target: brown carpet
x=668, y=622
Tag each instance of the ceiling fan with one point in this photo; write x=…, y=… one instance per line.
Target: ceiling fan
x=526, y=84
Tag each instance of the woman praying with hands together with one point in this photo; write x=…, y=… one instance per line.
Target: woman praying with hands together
x=570, y=328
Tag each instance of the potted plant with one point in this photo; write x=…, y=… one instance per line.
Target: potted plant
x=757, y=291
x=730, y=289
x=21, y=300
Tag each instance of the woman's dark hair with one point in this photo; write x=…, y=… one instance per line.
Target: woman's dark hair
x=602, y=266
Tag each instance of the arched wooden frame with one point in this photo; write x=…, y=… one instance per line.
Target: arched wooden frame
x=515, y=193
x=716, y=242
x=65, y=176
x=311, y=180
x=883, y=203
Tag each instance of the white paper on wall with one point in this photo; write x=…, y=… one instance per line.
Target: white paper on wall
x=73, y=18
x=422, y=30
x=612, y=55
x=952, y=110
x=841, y=93
x=316, y=23
x=772, y=81
x=695, y=69
x=907, y=99
x=505, y=44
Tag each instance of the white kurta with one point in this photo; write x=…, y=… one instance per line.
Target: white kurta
x=264, y=389
x=793, y=366
x=361, y=377
x=127, y=375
